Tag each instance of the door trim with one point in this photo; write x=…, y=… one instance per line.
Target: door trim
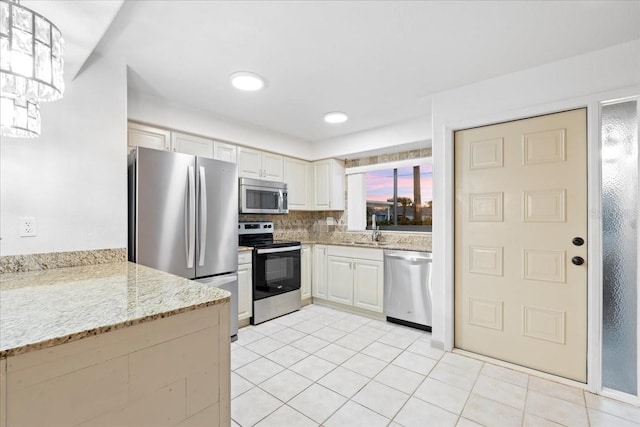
x=444, y=242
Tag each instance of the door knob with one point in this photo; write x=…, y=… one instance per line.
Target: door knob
x=577, y=260
x=578, y=241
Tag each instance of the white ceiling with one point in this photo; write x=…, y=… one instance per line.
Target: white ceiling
x=82, y=23
x=379, y=61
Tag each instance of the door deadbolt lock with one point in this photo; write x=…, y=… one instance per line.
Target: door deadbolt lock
x=577, y=260
x=578, y=241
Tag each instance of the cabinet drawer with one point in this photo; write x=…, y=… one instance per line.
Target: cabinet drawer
x=244, y=257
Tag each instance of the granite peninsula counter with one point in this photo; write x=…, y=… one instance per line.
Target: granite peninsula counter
x=40, y=309
x=112, y=344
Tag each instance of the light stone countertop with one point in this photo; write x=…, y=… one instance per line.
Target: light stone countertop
x=40, y=309
x=245, y=248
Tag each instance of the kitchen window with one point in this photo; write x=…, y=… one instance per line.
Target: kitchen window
x=399, y=194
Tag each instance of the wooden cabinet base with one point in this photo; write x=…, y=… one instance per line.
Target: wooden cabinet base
x=174, y=371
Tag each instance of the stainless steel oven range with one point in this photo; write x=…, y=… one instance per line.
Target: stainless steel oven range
x=276, y=271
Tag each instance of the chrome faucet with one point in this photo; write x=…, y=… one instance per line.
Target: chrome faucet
x=375, y=230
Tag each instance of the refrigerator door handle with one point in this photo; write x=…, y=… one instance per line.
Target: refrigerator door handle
x=191, y=232
x=203, y=216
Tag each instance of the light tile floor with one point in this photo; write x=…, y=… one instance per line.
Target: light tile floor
x=321, y=366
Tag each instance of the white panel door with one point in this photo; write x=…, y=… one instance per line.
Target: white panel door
x=191, y=144
x=520, y=277
x=340, y=279
x=368, y=285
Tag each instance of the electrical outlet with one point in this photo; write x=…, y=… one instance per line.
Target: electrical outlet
x=331, y=220
x=27, y=226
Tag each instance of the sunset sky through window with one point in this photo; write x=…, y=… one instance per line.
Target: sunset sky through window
x=379, y=184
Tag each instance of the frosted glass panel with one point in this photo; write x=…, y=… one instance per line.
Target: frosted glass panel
x=620, y=245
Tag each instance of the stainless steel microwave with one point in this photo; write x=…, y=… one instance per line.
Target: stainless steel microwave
x=262, y=197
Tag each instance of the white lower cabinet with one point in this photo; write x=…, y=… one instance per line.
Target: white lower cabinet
x=305, y=272
x=368, y=281
x=352, y=276
x=245, y=286
x=340, y=280
x=319, y=280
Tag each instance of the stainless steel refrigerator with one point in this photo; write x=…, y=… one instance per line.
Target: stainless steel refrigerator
x=183, y=218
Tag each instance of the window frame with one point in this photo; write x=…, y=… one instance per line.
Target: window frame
x=356, y=183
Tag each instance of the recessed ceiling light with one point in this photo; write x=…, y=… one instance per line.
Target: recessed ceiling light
x=336, y=117
x=245, y=80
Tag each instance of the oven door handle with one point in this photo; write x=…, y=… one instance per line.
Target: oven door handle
x=275, y=250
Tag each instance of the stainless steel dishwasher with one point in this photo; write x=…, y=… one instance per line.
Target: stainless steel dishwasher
x=407, y=288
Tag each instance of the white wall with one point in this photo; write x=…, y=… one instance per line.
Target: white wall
x=73, y=177
x=415, y=133
x=569, y=83
x=153, y=110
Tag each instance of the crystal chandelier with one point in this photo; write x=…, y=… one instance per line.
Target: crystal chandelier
x=30, y=68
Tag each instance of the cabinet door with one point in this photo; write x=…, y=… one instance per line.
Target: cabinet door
x=225, y=152
x=191, y=144
x=249, y=163
x=305, y=272
x=245, y=291
x=340, y=280
x=272, y=167
x=146, y=136
x=329, y=185
x=296, y=176
x=368, y=285
x=319, y=282
x=336, y=185
x=322, y=192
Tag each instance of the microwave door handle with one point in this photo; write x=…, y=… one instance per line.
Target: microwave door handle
x=280, y=200
x=203, y=216
x=191, y=219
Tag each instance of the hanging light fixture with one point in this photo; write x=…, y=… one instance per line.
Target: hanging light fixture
x=31, y=68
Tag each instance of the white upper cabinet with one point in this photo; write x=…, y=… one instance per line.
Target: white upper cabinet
x=249, y=163
x=224, y=151
x=191, y=144
x=259, y=165
x=329, y=185
x=272, y=165
x=296, y=175
x=146, y=136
